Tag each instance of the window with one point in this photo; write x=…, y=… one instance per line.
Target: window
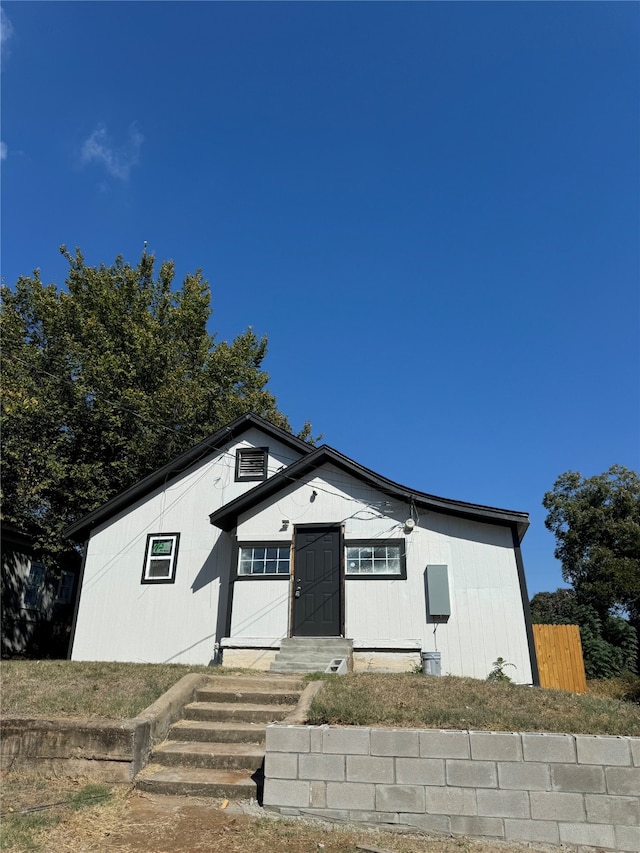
x=34, y=586
x=382, y=558
x=160, y=558
x=264, y=559
x=251, y=463
x=65, y=588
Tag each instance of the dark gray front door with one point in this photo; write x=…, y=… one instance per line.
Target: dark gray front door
x=316, y=603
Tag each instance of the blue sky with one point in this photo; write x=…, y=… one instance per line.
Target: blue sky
x=431, y=209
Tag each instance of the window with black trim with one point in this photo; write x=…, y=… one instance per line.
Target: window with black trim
x=160, y=558
x=65, y=588
x=377, y=558
x=264, y=559
x=251, y=463
x=34, y=587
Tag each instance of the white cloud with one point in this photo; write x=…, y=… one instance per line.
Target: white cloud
x=3, y=150
x=6, y=31
x=118, y=161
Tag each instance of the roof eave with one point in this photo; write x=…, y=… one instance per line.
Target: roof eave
x=226, y=518
x=79, y=530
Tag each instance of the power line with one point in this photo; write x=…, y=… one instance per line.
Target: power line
x=160, y=426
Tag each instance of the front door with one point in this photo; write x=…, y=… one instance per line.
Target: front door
x=316, y=582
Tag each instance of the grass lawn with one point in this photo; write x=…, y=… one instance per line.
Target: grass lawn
x=61, y=688
x=121, y=690
x=423, y=701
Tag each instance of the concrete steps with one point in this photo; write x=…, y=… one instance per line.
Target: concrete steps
x=311, y=654
x=232, y=784
x=277, y=696
x=217, y=748
x=214, y=756
x=220, y=732
x=242, y=712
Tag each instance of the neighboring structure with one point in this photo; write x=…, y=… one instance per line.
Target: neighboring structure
x=254, y=536
x=37, y=604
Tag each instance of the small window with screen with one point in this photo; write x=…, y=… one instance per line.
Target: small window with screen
x=161, y=557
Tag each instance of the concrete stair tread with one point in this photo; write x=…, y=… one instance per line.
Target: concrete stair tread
x=237, y=711
x=197, y=781
x=206, y=754
x=232, y=707
x=314, y=656
x=232, y=685
x=260, y=696
x=215, y=729
x=209, y=748
x=316, y=641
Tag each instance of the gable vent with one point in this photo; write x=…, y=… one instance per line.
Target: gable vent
x=251, y=463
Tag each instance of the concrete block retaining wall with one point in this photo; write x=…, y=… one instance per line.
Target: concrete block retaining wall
x=550, y=788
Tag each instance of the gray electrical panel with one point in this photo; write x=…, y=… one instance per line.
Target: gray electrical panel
x=437, y=590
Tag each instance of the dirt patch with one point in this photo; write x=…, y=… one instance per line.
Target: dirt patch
x=180, y=825
x=130, y=821
x=176, y=825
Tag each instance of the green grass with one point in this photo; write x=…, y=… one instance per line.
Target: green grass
x=21, y=831
x=26, y=829
x=116, y=691
x=88, y=795
x=422, y=701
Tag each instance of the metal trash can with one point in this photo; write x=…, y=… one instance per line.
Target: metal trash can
x=431, y=663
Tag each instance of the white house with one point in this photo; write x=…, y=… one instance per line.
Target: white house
x=254, y=536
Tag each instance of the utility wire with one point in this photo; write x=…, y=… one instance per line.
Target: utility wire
x=160, y=426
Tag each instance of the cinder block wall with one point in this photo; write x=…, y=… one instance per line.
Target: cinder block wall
x=552, y=788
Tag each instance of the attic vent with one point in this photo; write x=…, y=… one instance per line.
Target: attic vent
x=251, y=463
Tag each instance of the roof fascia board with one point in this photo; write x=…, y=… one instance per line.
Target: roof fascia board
x=80, y=529
x=226, y=517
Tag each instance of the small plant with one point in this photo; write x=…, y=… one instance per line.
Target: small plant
x=498, y=673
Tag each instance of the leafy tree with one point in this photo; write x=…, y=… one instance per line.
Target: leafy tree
x=596, y=522
x=609, y=644
x=107, y=379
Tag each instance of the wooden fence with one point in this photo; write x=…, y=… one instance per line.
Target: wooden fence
x=559, y=653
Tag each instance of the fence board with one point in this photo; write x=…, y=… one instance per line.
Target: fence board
x=559, y=654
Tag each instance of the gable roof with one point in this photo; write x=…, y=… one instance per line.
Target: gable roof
x=80, y=529
x=226, y=518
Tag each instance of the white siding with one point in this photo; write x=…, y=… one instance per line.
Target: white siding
x=119, y=617
x=260, y=608
x=487, y=618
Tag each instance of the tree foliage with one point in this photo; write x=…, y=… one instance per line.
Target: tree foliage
x=609, y=644
x=108, y=378
x=596, y=522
